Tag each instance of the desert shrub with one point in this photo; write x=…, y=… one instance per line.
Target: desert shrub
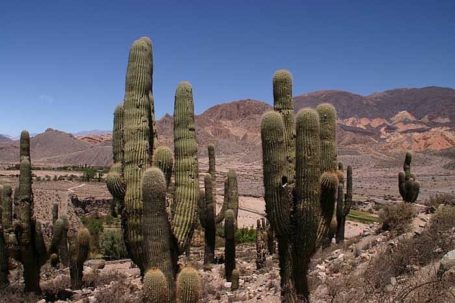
x=437, y=239
x=112, y=246
x=245, y=235
x=397, y=217
x=440, y=198
x=89, y=173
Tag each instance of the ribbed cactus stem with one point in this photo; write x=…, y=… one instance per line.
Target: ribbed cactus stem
x=164, y=160
x=7, y=208
x=117, y=135
x=189, y=288
x=156, y=229
x=260, y=245
x=277, y=202
x=212, y=168
x=79, y=254
x=328, y=123
x=4, y=270
x=229, y=246
x=156, y=289
x=138, y=135
x=24, y=145
x=186, y=167
x=283, y=104
x=209, y=221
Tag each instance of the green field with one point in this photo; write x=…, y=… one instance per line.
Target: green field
x=362, y=217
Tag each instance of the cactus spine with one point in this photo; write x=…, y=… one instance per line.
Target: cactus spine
x=156, y=289
x=189, y=289
x=229, y=246
x=311, y=197
x=344, y=204
x=79, y=254
x=407, y=184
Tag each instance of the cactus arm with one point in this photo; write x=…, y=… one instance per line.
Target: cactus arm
x=163, y=158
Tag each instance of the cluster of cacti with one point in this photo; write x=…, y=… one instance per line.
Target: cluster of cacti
x=22, y=238
x=60, y=245
x=300, y=181
x=79, y=253
x=261, y=244
x=141, y=174
x=408, y=186
x=344, y=202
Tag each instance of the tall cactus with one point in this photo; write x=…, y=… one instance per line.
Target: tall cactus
x=189, y=289
x=208, y=220
x=4, y=271
x=79, y=254
x=59, y=244
x=31, y=250
x=229, y=250
x=186, y=166
x=311, y=197
x=407, y=184
x=344, y=204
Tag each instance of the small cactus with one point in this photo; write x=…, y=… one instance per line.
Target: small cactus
x=54, y=212
x=235, y=279
x=189, y=289
x=407, y=184
x=260, y=245
x=163, y=159
x=79, y=254
x=344, y=204
x=156, y=289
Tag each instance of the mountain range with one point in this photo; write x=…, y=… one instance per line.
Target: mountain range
x=417, y=118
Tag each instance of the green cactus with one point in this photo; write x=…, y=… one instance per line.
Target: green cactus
x=407, y=184
x=31, y=250
x=7, y=208
x=311, y=197
x=235, y=279
x=156, y=288
x=4, y=271
x=59, y=242
x=163, y=159
x=156, y=228
x=138, y=141
x=79, y=254
x=260, y=245
x=283, y=104
x=189, y=289
x=270, y=239
x=209, y=220
x=344, y=204
x=229, y=246
x=186, y=167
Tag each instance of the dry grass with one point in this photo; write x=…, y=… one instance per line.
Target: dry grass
x=397, y=217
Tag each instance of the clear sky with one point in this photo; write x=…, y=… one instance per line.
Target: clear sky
x=63, y=63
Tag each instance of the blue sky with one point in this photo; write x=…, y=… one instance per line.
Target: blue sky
x=63, y=63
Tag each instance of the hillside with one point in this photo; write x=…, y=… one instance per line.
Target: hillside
x=420, y=119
